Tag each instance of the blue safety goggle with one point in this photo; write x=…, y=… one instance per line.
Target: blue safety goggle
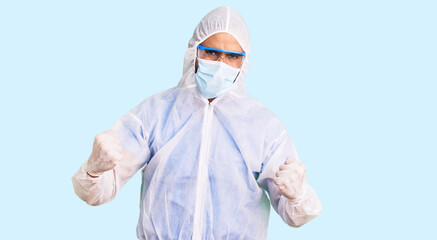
x=220, y=50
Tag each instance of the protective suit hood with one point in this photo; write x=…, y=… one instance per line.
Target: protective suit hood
x=221, y=19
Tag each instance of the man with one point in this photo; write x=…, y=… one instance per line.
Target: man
x=209, y=152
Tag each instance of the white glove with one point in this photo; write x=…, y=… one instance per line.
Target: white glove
x=289, y=179
x=106, y=153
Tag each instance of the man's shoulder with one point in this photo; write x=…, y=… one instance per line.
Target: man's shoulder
x=155, y=102
x=159, y=98
x=255, y=106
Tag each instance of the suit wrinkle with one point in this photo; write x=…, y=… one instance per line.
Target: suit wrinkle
x=235, y=142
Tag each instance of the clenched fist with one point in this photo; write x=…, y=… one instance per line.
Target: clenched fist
x=106, y=153
x=289, y=179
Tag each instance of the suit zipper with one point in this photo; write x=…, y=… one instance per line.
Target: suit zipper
x=202, y=175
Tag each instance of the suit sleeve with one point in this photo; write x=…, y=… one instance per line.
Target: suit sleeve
x=294, y=214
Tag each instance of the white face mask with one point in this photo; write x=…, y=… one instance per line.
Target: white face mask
x=215, y=78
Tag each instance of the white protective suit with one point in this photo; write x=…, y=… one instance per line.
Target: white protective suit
x=206, y=166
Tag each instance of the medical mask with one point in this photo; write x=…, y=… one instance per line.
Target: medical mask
x=215, y=78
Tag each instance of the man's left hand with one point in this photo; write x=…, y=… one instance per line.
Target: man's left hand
x=289, y=179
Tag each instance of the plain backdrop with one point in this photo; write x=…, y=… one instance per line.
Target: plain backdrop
x=354, y=82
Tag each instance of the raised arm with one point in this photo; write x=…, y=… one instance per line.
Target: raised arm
x=283, y=177
x=116, y=156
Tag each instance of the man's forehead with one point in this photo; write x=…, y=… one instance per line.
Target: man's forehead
x=223, y=41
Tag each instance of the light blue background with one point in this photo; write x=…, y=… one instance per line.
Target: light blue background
x=354, y=82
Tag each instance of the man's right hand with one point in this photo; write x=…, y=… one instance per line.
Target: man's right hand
x=106, y=154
